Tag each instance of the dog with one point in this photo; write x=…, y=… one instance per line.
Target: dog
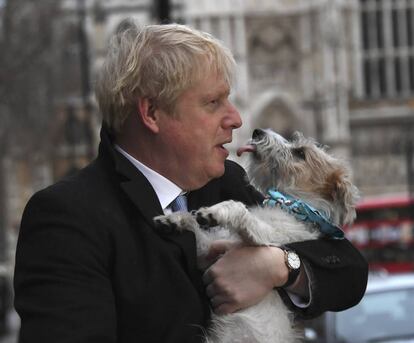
x=299, y=169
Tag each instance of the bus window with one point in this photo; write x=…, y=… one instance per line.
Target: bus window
x=384, y=232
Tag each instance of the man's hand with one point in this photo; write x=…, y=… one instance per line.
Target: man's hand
x=242, y=276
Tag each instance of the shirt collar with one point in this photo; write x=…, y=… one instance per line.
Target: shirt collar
x=165, y=189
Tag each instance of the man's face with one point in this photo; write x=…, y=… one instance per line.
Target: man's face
x=193, y=138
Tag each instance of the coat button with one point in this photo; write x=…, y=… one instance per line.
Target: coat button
x=332, y=259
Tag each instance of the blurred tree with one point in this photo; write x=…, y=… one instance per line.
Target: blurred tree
x=26, y=72
x=27, y=84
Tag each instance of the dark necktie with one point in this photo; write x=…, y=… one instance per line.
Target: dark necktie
x=179, y=204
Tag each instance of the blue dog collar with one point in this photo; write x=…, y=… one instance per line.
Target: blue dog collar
x=304, y=212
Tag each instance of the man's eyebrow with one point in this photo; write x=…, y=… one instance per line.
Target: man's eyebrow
x=217, y=93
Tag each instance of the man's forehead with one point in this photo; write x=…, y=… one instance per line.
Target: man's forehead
x=207, y=87
x=213, y=86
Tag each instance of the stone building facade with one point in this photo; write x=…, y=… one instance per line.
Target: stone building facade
x=341, y=71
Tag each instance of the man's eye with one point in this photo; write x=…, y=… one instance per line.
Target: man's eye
x=213, y=105
x=299, y=153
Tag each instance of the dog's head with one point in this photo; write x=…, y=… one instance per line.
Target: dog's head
x=303, y=169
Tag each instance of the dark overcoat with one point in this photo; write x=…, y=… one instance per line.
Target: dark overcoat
x=90, y=266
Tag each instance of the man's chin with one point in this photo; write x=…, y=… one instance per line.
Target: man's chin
x=218, y=172
x=201, y=182
x=211, y=173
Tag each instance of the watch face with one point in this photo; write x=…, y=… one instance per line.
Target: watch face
x=293, y=260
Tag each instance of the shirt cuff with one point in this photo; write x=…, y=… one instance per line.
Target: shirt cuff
x=302, y=301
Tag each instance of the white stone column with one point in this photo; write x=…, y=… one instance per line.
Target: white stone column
x=356, y=50
x=403, y=52
x=306, y=38
x=388, y=48
x=240, y=52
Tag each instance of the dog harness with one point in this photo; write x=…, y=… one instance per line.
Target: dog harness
x=304, y=212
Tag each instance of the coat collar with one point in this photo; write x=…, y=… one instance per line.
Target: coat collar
x=139, y=189
x=132, y=181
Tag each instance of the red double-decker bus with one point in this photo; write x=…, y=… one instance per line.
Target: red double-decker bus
x=384, y=232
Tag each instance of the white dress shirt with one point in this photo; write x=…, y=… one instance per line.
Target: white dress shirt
x=165, y=189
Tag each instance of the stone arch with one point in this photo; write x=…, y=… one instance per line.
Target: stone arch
x=279, y=112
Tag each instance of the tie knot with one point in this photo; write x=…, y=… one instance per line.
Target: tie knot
x=179, y=203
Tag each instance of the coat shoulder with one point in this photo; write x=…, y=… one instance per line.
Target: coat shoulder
x=235, y=185
x=87, y=191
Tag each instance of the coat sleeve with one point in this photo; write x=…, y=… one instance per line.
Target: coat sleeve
x=337, y=271
x=337, y=274
x=62, y=288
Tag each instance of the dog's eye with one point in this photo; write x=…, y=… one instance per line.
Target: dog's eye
x=299, y=153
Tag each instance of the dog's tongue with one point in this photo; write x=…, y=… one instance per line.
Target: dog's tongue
x=246, y=148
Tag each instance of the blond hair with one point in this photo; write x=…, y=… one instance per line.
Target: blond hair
x=157, y=62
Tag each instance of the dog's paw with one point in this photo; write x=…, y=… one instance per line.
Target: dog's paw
x=165, y=224
x=177, y=221
x=222, y=214
x=205, y=218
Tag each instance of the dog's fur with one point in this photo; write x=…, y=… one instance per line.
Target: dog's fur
x=299, y=168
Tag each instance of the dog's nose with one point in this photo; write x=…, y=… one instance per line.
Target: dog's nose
x=258, y=133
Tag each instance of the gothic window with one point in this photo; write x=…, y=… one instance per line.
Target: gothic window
x=387, y=43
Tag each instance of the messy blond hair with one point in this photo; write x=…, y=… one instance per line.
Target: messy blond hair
x=157, y=62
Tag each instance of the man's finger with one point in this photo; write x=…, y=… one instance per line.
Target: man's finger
x=225, y=308
x=211, y=290
x=217, y=300
x=208, y=277
x=217, y=249
x=220, y=247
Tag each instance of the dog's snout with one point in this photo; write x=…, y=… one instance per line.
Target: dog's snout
x=258, y=134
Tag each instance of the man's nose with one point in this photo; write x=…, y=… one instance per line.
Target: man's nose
x=233, y=119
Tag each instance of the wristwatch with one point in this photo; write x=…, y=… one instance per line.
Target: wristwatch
x=292, y=261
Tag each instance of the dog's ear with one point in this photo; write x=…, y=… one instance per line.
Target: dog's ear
x=344, y=195
x=297, y=136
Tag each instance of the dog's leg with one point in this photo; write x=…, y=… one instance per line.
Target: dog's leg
x=236, y=217
x=256, y=227
x=223, y=214
x=177, y=221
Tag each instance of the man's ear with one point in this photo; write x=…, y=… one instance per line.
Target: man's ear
x=148, y=114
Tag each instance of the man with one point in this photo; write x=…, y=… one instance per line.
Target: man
x=91, y=266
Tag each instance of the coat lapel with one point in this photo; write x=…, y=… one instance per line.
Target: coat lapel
x=140, y=192
x=143, y=196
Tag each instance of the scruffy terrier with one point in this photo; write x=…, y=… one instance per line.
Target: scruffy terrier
x=319, y=188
